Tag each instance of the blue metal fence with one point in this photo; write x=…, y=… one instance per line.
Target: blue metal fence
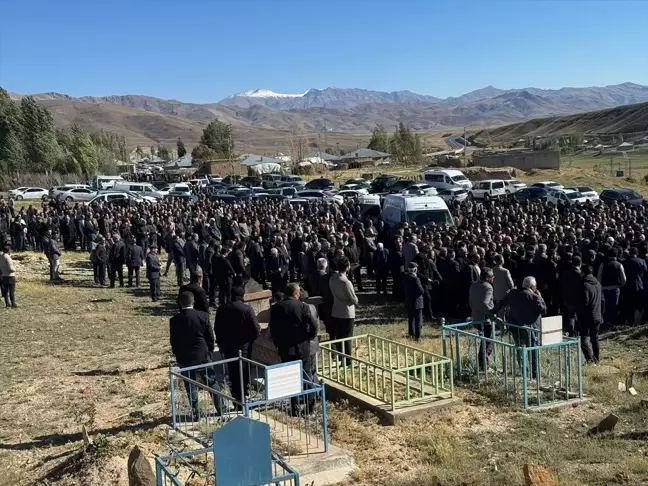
x=203, y=399
x=508, y=362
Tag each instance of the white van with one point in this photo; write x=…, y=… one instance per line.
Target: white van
x=446, y=179
x=410, y=208
x=142, y=188
x=103, y=182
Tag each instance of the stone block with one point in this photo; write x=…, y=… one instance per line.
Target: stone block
x=535, y=475
x=140, y=472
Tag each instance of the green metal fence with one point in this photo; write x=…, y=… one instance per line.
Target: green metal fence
x=388, y=371
x=509, y=364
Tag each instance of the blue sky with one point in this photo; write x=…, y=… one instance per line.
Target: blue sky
x=203, y=50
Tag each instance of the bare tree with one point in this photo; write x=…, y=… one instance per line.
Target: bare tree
x=298, y=145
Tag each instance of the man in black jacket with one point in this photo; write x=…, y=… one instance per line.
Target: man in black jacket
x=224, y=274
x=192, y=342
x=589, y=315
x=571, y=292
x=236, y=329
x=201, y=301
x=134, y=261
x=117, y=259
x=428, y=274
x=209, y=280
x=153, y=269
x=100, y=259
x=611, y=276
x=294, y=331
x=413, y=301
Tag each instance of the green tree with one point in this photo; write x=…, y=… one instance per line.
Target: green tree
x=182, y=151
x=379, y=140
x=405, y=146
x=153, y=151
x=139, y=152
x=217, y=137
x=330, y=151
x=12, y=152
x=39, y=136
x=163, y=152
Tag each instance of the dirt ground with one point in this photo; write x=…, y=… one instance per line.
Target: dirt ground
x=78, y=355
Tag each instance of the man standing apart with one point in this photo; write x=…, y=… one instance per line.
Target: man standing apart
x=236, y=329
x=54, y=257
x=8, y=272
x=192, y=342
x=117, y=259
x=294, y=331
x=153, y=269
x=413, y=302
x=589, y=315
x=134, y=260
x=344, y=302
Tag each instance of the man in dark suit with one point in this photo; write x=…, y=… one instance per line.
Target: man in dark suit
x=224, y=274
x=590, y=317
x=209, y=280
x=179, y=258
x=413, y=301
x=153, y=268
x=236, y=329
x=192, y=342
x=632, y=292
x=117, y=259
x=201, y=301
x=294, y=331
x=134, y=260
x=481, y=306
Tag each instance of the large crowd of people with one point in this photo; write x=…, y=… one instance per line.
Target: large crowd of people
x=587, y=262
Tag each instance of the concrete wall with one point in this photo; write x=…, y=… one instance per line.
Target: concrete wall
x=541, y=159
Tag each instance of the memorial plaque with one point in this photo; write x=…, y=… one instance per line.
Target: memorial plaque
x=283, y=380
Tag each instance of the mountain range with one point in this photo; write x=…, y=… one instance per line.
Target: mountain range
x=262, y=118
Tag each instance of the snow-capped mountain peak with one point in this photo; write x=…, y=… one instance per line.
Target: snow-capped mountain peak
x=266, y=93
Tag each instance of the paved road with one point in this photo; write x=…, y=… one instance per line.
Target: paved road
x=453, y=143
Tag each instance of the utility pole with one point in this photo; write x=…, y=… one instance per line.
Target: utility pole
x=465, y=147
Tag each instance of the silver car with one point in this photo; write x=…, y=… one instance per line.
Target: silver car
x=82, y=194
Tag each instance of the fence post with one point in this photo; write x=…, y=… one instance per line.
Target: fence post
x=525, y=378
x=173, y=399
x=324, y=417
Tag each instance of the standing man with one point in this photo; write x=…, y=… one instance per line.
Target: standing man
x=134, y=260
x=192, y=342
x=611, y=276
x=636, y=273
x=224, y=273
x=236, y=328
x=54, y=257
x=100, y=259
x=481, y=305
x=413, y=302
x=153, y=269
x=201, y=301
x=589, y=315
x=179, y=259
x=344, y=302
x=8, y=272
x=381, y=267
x=117, y=259
x=192, y=252
x=294, y=331
x=570, y=284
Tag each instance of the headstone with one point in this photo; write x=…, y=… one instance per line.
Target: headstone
x=140, y=472
x=605, y=425
x=242, y=454
x=535, y=475
x=551, y=330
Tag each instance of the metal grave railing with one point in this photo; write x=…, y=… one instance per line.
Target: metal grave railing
x=388, y=371
x=197, y=467
x=205, y=397
x=509, y=364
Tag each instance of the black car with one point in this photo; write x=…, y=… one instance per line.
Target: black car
x=226, y=198
x=399, y=186
x=321, y=184
x=531, y=194
x=620, y=195
x=251, y=181
x=382, y=183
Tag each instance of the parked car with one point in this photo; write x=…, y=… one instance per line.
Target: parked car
x=354, y=187
x=185, y=196
x=620, y=195
x=359, y=181
x=199, y=182
x=284, y=191
x=420, y=189
x=29, y=193
x=567, y=197
x=548, y=185
x=400, y=186
x=453, y=194
x=382, y=183
x=350, y=193
x=488, y=189
x=181, y=187
x=270, y=180
x=226, y=198
x=587, y=192
x=291, y=181
x=315, y=194
x=531, y=194
x=251, y=181
x=120, y=198
x=55, y=191
x=321, y=184
x=77, y=194
x=513, y=185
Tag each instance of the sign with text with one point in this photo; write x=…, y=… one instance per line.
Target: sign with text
x=551, y=330
x=283, y=380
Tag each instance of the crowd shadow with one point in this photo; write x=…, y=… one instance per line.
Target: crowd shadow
x=133, y=371
x=53, y=440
